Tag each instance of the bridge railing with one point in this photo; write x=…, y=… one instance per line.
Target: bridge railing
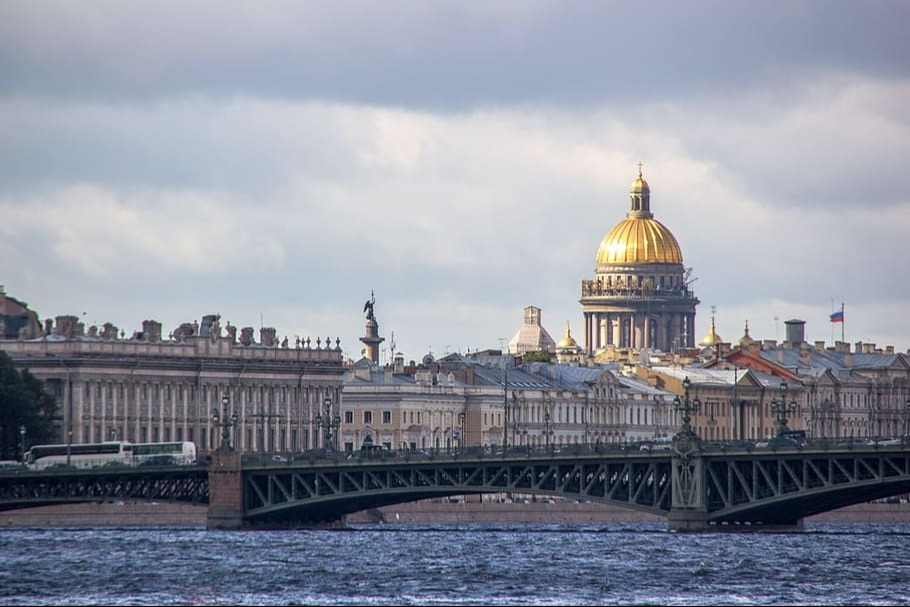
x=324, y=456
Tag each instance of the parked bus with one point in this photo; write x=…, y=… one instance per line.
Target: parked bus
x=164, y=454
x=84, y=455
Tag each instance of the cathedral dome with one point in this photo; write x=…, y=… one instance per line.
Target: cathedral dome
x=639, y=240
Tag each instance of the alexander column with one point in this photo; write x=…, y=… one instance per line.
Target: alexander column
x=371, y=339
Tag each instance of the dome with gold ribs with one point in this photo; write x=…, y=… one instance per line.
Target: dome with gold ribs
x=639, y=238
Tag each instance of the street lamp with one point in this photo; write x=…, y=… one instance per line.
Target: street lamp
x=22, y=441
x=906, y=417
x=460, y=431
x=686, y=406
x=226, y=422
x=546, y=419
x=781, y=408
x=328, y=422
x=113, y=434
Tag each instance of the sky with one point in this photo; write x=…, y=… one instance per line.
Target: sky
x=277, y=162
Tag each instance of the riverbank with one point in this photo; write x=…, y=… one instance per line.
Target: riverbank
x=428, y=511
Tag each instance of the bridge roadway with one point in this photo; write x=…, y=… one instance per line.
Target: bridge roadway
x=720, y=488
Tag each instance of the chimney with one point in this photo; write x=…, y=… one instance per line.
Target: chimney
x=246, y=336
x=109, y=331
x=152, y=330
x=267, y=336
x=67, y=326
x=796, y=331
x=820, y=345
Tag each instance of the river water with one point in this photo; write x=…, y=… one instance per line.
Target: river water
x=468, y=564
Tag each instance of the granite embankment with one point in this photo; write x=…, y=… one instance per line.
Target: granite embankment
x=429, y=511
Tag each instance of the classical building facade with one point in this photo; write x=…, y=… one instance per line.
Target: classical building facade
x=640, y=295
x=492, y=402
x=145, y=389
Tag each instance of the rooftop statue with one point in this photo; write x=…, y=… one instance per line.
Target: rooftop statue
x=368, y=306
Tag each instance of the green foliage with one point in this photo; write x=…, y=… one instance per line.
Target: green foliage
x=541, y=356
x=23, y=402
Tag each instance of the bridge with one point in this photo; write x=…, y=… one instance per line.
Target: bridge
x=697, y=487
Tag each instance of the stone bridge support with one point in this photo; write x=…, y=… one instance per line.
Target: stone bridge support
x=225, y=491
x=689, y=510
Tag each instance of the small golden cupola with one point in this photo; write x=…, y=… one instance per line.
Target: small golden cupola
x=712, y=338
x=746, y=339
x=567, y=342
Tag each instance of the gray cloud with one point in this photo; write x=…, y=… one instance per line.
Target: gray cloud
x=445, y=55
x=279, y=160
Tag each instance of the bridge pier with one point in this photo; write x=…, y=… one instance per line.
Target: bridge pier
x=687, y=520
x=225, y=491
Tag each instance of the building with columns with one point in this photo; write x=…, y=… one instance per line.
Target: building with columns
x=640, y=296
x=148, y=389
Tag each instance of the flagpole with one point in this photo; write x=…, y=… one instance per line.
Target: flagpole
x=842, y=322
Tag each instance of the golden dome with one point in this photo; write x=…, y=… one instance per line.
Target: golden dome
x=638, y=240
x=712, y=338
x=567, y=342
x=746, y=339
x=640, y=185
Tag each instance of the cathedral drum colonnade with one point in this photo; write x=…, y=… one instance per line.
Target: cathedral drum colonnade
x=639, y=297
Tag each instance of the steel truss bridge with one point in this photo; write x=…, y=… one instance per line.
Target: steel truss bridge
x=730, y=487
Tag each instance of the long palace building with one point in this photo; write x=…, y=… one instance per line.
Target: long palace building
x=145, y=389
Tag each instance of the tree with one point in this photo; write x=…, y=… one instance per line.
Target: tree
x=24, y=403
x=541, y=356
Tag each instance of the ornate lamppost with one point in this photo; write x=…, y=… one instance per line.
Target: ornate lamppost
x=226, y=422
x=905, y=437
x=686, y=406
x=328, y=422
x=686, y=440
x=781, y=409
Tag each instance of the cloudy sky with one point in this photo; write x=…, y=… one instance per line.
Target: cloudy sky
x=275, y=162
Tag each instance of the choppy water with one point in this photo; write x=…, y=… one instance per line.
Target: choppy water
x=488, y=564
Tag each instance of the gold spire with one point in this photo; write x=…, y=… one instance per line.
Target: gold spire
x=712, y=338
x=640, y=185
x=746, y=339
x=567, y=342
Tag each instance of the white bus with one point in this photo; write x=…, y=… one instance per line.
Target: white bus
x=84, y=455
x=181, y=453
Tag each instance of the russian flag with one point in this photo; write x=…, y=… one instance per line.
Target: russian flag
x=837, y=316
